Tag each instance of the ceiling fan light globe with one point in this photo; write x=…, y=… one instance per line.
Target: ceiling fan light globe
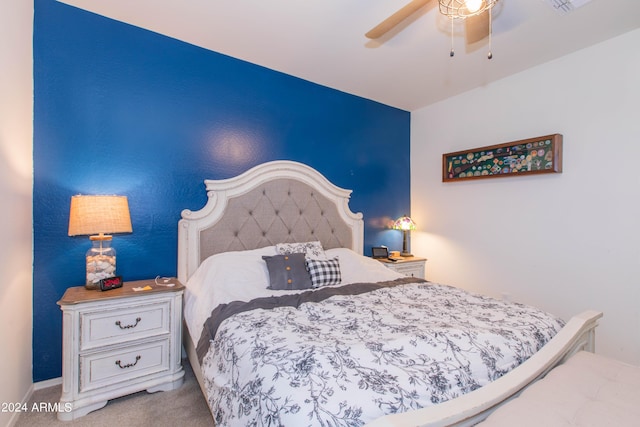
x=473, y=5
x=462, y=9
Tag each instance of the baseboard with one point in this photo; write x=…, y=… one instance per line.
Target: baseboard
x=47, y=383
x=35, y=386
x=13, y=420
x=25, y=399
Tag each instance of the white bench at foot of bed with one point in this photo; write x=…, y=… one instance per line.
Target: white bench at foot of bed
x=577, y=335
x=587, y=390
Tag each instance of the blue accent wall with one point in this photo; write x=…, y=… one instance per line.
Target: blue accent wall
x=122, y=110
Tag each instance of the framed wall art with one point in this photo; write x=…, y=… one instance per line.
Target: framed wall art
x=525, y=157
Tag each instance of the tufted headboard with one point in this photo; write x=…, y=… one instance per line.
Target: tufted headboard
x=275, y=202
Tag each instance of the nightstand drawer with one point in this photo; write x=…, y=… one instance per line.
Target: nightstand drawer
x=409, y=266
x=409, y=270
x=122, y=324
x=107, y=368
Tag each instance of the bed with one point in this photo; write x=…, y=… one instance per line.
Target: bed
x=287, y=323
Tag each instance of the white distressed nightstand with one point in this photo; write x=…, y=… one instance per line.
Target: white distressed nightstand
x=409, y=266
x=119, y=342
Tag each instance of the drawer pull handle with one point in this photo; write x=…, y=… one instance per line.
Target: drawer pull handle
x=128, y=365
x=138, y=319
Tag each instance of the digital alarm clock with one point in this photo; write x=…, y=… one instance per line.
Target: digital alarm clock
x=111, y=283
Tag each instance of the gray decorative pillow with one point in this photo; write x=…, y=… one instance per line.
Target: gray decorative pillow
x=324, y=273
x=312, y=250
x=287, y=272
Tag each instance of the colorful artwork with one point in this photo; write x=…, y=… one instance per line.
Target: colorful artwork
x=529, y=156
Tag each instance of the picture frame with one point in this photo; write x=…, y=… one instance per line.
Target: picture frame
x=540, y=155
x=379, y=252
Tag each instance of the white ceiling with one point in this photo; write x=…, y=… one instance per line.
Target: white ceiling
x=323, y=40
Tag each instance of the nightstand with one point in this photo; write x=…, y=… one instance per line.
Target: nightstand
x=119, y=342
x=409, y=266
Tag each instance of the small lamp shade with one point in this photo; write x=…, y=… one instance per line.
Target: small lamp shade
x=405, y=224
x=95, y=216
x=99, y=215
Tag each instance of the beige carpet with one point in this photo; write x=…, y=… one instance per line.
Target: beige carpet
x=185, y=406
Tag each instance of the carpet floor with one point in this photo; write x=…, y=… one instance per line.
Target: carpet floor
x=185, y=406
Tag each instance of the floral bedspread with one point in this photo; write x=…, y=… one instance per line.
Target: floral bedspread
x=349, y=359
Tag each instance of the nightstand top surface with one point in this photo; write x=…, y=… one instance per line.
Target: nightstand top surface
x=401, y=259
x=79, y=294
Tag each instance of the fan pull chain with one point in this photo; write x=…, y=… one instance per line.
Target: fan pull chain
x=452, y=52
x=490, y=55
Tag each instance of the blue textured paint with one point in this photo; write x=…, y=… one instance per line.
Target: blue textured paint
x=121, y=110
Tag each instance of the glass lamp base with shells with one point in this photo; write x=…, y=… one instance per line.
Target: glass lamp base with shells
x=101, y=262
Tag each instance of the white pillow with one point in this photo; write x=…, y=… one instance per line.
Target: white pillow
x=222, y=278
x=356, y=268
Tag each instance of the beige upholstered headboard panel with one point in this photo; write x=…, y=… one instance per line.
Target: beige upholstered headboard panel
x=275, y=202
x=282, y=210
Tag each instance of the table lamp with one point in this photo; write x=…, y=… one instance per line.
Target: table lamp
x=405, y=224
x=95, y=216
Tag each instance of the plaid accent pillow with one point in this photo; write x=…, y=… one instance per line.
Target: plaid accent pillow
x=324, y=272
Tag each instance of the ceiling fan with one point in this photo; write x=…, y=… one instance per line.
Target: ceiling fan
x=475, y=13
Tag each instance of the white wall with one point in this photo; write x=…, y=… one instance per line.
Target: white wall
x=16, y=182
x=563, y=242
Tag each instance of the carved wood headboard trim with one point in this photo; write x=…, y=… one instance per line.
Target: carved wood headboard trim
x=279, y=201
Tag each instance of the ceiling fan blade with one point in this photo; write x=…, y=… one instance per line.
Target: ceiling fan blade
x=402, y=14
x=476, y=27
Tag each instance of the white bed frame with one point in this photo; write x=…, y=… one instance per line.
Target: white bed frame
x=578, y=334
